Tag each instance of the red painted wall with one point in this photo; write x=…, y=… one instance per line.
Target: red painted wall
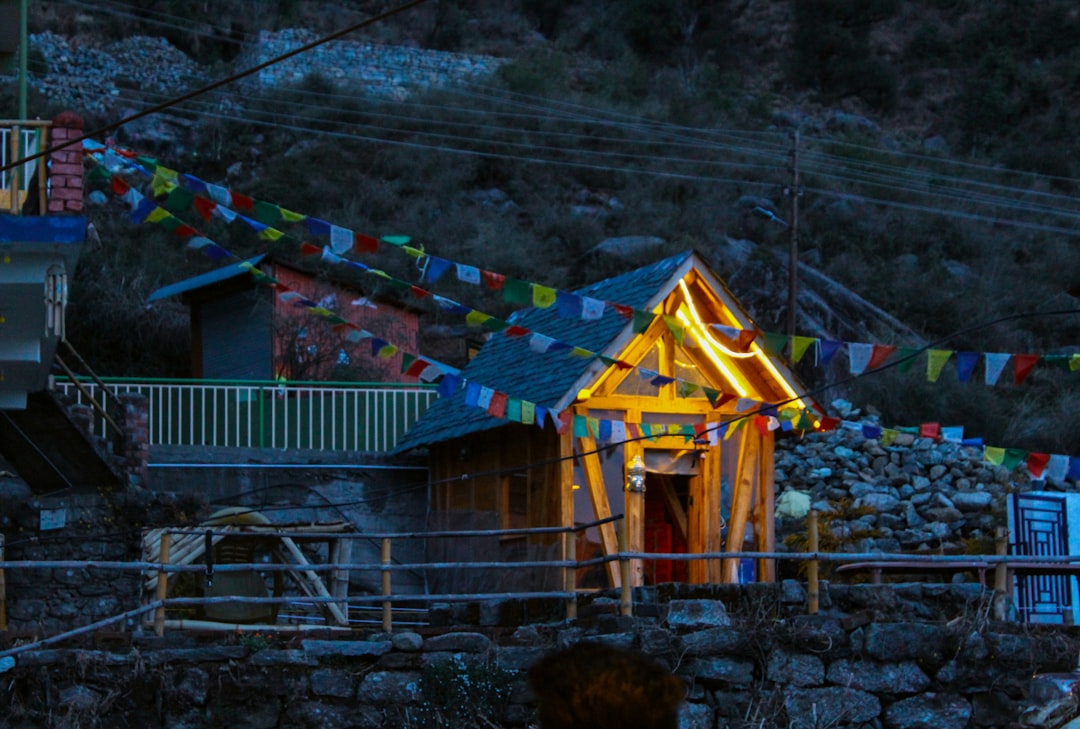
x=392, y=323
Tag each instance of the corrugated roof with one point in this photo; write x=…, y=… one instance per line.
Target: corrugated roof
x=205, y=279
x=508, y=365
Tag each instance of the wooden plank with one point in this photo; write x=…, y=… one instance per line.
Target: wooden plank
x=313, y=580
x=594, y=481
x=341, y=553
x=677, y=406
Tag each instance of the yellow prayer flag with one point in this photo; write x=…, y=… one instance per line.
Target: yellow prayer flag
x=580, y=352
x=270, y=234
x=936, y=361
x=995, y=455
x=799, y=345
x=291, y=217
x=163, y=181
x=543, y=297
x=1074, y=363
x=476, y=318
x=157, y=215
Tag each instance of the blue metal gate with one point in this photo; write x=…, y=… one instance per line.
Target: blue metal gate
x=1040, y=528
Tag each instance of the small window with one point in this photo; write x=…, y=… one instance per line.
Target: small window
x=55, y=301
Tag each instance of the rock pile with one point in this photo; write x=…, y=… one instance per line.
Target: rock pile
x=913, y=494
x=93, y=79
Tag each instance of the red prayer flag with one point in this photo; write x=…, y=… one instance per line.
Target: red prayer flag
x=565, y=419
x=829, y=423
x=746, y=338
x=1023, y=364
x=418, y=365
x=725, y=397
x=516, y=331
x=880, y=353
x=205, y=208
x=365, y=243
x=1036, y=463
x=497, y=407
x=930, y=430
x=627, y=312
x=493, y=281
x=185, y=231
x=761, y=422
x=418, y=292
x=242, y=202
x=310, y=249
x=119, y=186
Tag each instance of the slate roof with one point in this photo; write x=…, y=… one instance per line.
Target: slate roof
x=508, y=365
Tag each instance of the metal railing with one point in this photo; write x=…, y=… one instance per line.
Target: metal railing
x=325, y=416
x=18, y=140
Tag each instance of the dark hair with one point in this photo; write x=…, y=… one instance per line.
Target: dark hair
x=595, y=686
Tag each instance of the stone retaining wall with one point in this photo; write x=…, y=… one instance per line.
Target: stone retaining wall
x=381, y=70
x=853, y=665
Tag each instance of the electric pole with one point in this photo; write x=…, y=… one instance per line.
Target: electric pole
x=793, y=244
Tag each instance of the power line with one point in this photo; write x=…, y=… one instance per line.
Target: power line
x=217, y=84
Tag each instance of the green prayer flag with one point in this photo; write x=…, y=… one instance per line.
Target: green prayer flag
x=178, y=200
x=516, y=291
x=267, y=213
x=774, y=343
x=642, y=320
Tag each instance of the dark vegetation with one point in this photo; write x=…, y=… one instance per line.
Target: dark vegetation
x=997, y=84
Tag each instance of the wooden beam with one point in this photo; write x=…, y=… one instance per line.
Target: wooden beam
x=677, y=406
x=711, y=518
x=594, y=481
x=312, y=580
x=635, y=516
x=741, y=502
x=765, y=514
x=565, y=485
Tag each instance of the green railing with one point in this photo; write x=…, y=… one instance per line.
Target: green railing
x=329, y=416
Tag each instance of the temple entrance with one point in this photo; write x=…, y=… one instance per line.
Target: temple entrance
x=666, y=497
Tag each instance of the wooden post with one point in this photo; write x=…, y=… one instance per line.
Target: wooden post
x=387, y=616
x=812, y=565
x=3, y=589
x=569, y=575
x=634, y=511
x=162, y=584
x=341, y=551
x=1002, y=598
x=626, y=595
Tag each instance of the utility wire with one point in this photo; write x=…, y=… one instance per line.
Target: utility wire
x=217, y=84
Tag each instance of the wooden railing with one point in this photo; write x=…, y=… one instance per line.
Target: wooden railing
x=326, y=416
x=19, y=140
x=156, y=575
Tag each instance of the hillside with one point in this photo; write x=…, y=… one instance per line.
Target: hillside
x=937, y=157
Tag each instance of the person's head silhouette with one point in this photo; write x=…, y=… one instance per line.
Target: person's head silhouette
x=595, y=686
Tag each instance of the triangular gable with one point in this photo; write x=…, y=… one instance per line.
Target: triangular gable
x=680, y=344
x=554, y=379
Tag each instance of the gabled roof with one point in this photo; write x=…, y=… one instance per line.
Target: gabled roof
x=508, y=365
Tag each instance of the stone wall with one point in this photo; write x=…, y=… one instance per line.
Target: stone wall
x=908, y=494
x=85, y=527
x=864, y=661
x=381, y=70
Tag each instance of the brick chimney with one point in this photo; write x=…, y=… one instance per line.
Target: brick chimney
x=135, y=441
x=66, y=165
